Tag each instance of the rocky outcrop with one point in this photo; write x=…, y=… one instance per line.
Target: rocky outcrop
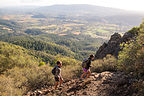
x=113, y=45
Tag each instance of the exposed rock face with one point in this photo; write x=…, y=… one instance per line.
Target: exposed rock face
x=113, y=45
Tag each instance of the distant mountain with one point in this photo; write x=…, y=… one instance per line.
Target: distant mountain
x=80, y=10
x=94, y=13
x=90, y=13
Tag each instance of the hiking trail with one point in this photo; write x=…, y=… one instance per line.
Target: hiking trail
x=98, y=84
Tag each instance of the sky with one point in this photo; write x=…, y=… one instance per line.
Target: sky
x=135, y=5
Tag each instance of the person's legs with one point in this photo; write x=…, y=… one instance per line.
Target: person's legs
x=84, y=73
x=56, y=84
x=61, y=80
x=89, y=73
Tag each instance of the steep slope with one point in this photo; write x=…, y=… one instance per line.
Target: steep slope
x=15, y=56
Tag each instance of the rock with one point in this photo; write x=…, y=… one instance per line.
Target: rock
x=46, y=92
x=96, y=76
x=113, y=45
x=93, y=74
x=38, y=93
x=92, y=78
x=84, y=93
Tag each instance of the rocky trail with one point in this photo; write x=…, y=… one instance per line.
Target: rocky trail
x=99, y=84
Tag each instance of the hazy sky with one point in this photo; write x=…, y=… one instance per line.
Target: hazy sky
x=137, y=5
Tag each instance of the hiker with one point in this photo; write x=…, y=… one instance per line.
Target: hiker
x=86, y=64
x=56, y=71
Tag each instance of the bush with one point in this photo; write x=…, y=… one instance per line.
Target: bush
x=71, y=71
x=131, y=59
x=71, y=67
x=31, y=78
x=42, y=63
x=109, y=63
x=7, y=87
x=26, y=79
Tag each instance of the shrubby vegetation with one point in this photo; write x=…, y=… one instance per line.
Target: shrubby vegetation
x=12, y=56
x=109, y=63
x=21, y=71
x=131, y=59
x=132, y=56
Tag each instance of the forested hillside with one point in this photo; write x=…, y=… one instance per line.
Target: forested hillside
x=76, y=46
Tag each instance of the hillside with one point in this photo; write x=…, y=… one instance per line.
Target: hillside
x=119, y=77
x=12, y=56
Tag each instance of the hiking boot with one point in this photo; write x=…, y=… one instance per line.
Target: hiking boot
x=61, y=86
x=55, y=91
x=81, y=80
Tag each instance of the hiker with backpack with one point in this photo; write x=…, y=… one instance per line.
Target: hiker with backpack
x=56, y=71
x=86, y=64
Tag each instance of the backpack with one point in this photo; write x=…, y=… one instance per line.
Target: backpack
x=84, y=63
x=54, y=70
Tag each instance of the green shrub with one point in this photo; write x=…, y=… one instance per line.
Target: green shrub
x=131, y=59
x=109, y=63
x=42, y=63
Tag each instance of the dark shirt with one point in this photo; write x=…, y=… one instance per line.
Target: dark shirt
x=88, y=63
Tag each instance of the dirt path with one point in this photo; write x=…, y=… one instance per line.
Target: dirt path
x=99, y=84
